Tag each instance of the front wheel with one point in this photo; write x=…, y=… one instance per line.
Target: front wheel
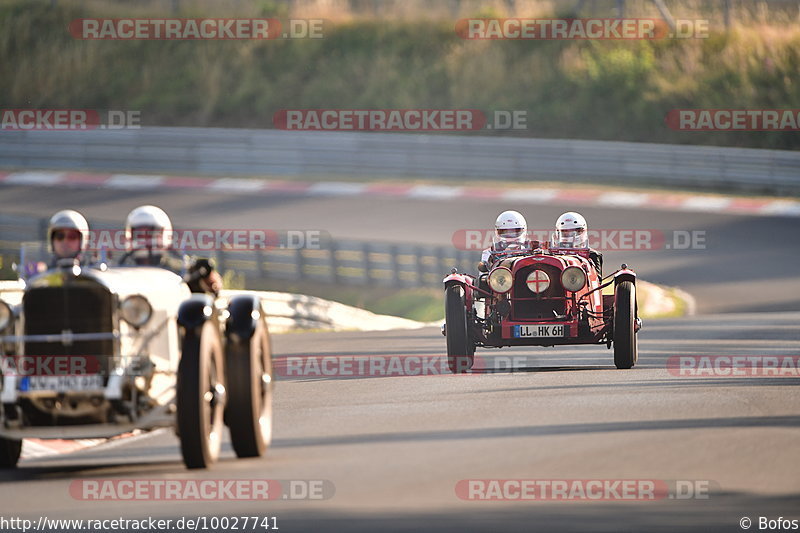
x=460, y=348
x=249, y=412
x=201, y=396
x=10, y=450
x=626, y=351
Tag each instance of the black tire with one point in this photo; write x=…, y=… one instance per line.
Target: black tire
x=201, y=397
x=460, y=349
x=10, y=450
x=626, y=351
x=250, y=379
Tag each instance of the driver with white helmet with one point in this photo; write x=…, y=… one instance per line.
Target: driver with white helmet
x=67, y=237
x=572, y=232
x=148, y=231
x=510, y=234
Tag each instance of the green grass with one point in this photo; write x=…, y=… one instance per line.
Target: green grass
x=422, y=304
x=581, y=89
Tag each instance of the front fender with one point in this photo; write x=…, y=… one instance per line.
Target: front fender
x=245, y=312
x=196, y=311
x=625, y=274
x=466, y=281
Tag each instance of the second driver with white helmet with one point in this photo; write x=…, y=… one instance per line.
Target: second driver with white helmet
x=572, y=232
x=148, y=231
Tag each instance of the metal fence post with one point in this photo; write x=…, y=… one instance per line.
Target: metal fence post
x=419, y=254
x=463, y=261
x=220, y=261
x=260, y=259
x=332, y=247
x=366, y=249
x=43, y=224
x=395, y=266
x=299, y=262
x=445, y=260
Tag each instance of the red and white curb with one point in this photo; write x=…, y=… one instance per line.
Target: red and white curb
x=535, y=195
x=38, y=448
x=41, y=448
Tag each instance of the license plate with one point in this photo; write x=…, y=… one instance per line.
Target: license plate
x=543, y=330
x=63, y=383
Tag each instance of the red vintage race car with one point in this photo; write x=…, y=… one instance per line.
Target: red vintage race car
x=540, y=297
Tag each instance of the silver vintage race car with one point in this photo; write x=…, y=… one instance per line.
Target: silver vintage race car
x=93, y=351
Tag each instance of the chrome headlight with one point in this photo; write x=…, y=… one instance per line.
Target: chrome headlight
x=135, y=310
x=6, y=315
x=500, y=280
x=573, y=278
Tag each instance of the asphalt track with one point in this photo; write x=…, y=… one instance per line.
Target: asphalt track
x=395, y=448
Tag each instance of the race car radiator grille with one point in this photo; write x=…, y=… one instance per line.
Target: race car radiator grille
x=85, y=308
x=527, y=305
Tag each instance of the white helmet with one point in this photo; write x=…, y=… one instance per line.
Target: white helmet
x=511, y=228
x=152, y=220
x=571, y=231
x=67, y=220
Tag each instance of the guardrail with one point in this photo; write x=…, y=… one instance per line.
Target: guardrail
x=216, y=151
x=342, y=262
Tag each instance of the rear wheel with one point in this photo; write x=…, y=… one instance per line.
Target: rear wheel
x=626, y=351
x=10, y=450
x=460, y=349
x=249, y=411
x=201, y=397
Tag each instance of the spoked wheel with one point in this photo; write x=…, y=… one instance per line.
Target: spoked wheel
x=626, y=351
x=10, y=450
x=201, y=397
x=460, y=348
x=249, y=412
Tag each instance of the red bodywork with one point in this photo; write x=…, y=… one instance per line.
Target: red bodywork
x=586, y=315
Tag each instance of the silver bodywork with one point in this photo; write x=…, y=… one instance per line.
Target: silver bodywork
x=140, y=389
